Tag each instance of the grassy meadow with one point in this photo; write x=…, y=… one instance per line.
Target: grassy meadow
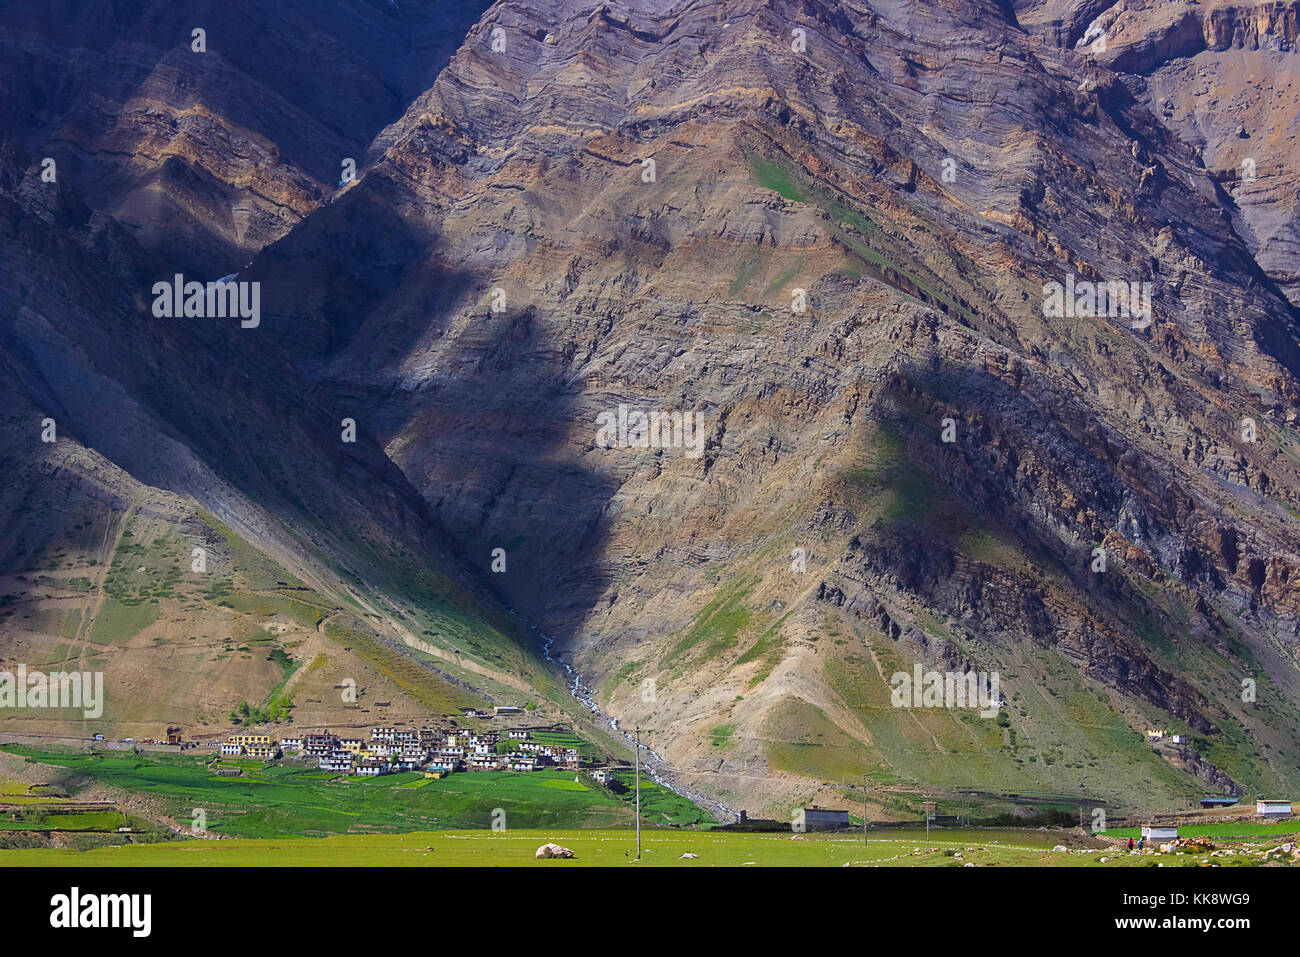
x=616, y=847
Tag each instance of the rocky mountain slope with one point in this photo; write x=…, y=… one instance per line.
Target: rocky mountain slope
x=183, y=513
x=209, y=147
x=823, y=234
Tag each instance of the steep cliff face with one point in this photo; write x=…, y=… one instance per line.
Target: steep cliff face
x=1223, y=77
x=818, y=239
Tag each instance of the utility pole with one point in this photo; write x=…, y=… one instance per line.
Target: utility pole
x=638, y=794
x=865, y=795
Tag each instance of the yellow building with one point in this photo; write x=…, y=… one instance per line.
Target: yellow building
x=251, y=745
x=251, y=740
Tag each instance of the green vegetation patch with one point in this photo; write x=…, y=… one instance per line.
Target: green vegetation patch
x=118, y=622
x=719, y=624
x=38, y=818
x=803, y=740
x=774, y=176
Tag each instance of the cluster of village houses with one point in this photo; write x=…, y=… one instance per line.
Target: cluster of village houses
x=435, y=751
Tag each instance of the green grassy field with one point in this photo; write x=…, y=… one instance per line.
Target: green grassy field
x=294, y=815
x=294, y=801
x=609, y=848
x=65, y=818
x=21, y=793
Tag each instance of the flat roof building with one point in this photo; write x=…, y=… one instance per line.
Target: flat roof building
x=821, y=818
x=1159, y=832
x=1272, y=807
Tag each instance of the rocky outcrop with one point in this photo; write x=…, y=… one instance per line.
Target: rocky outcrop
x=1218, y=75
x=1141, y=37
x=554, y=851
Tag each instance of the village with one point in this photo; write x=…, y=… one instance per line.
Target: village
x=435, y=751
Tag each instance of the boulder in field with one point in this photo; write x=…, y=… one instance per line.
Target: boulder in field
x=553, y=851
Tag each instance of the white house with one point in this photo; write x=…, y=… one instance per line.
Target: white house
x=337, y=760
x=319, y=745
x=1159, y=832
x=1272, y=807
